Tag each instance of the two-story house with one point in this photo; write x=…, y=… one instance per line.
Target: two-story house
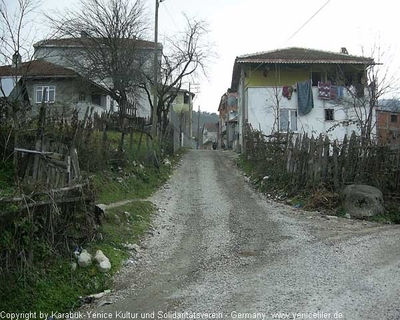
x=300, y=90
x=209, y=136
x=180, y=116
x=228, y=120
x=71, y=53
x=42, y=81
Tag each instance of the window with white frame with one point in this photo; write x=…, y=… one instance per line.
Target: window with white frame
x=287, y=120
x=45, y=94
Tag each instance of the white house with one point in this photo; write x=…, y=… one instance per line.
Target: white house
x=71, y=53
x=301, y=90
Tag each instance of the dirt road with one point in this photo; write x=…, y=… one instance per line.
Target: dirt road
x=222, y=250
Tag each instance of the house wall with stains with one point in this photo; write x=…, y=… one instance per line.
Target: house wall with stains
x=388, y=128
x=330, y=117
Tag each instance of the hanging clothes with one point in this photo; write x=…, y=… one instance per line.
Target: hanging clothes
x=287, y=92
x=304, y=97
x=324, y=90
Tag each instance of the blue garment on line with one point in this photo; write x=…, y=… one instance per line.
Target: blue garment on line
x=304, y=97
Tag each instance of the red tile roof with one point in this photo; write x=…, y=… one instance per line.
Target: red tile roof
x=37, y=68
x=302, y=55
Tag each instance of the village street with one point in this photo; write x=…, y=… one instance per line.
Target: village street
x=221, y=249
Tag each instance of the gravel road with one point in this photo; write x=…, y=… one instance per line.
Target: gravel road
x=222, y=250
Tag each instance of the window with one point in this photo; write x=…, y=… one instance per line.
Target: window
x=96, y=99
x=46, y=92
x=186, y=98
x=329, y=114
x=316, y=77
x=393, y=118
x=288, y=120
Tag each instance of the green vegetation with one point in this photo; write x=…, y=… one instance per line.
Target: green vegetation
x=316, y=198
x=47, y=282
x=131, y=183
x=6, y=178
x=57, y=287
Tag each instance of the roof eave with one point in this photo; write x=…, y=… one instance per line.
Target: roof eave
x=286, y=61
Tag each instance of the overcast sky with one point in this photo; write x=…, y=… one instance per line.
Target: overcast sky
x=248, y=26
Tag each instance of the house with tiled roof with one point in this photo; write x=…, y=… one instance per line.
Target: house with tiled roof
x=72, y=52
x=299, y=90
x=42, y=81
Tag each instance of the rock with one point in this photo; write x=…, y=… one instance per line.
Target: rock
x=129, y=262
x=127, y=215
x=134, y=247
x=99, y=295
x=347, y=215
x=332, y=217
x=84, y=259
x=100, y=256
x=105, y=266
x=167, y=162
x=362, y=201
x=73, y=266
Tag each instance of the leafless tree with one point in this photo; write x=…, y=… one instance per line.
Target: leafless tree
x=185, y=57
x=16, y=28
x=16, y=35
x=364, y=94
x=109, y=35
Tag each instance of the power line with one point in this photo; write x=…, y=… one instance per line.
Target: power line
x=305, y=23
x=166, y=9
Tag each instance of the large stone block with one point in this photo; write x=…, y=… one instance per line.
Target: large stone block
x=362, y=201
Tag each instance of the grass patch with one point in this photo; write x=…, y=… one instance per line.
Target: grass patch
x=51, y=285
x=133, y=182
x=56, y=287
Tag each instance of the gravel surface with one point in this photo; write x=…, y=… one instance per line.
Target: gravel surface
x=221, y=249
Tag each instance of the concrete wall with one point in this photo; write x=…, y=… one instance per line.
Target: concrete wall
x=262, y=113
x=68, y=93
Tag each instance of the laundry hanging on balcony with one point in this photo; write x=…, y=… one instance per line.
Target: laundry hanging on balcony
x=324, y=90
x=327, y=91
x=287, y=92
x=304, y=97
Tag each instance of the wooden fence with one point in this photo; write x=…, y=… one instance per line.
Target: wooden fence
x=310, y=162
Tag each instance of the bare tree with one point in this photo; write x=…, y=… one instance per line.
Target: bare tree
x=108, y=34
x=15, y=33
x=16, y=28
x=185, y=57
x=363, y=94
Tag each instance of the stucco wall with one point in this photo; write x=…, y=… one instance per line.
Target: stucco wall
x=67, y=92
x=262, y=113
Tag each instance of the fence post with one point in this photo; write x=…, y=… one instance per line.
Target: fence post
x=335, y=166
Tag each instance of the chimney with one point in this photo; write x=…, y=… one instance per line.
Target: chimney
x=344, y=50
x=84, y=34
x=16, y=60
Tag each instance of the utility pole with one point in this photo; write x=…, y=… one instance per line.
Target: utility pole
x=155, y=66
x=196, y=90
x=190, y=117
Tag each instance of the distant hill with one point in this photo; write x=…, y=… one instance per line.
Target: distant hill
x=205, y=117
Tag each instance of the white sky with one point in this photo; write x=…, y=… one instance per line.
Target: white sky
x=248, y=26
